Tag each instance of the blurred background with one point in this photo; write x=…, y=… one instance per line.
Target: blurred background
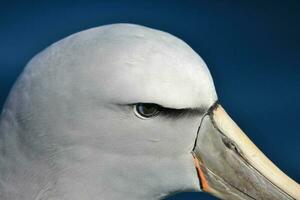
x=251, y=47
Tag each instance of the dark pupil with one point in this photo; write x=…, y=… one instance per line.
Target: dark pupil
x=147, y=110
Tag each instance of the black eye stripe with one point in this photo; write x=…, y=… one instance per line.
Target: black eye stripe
x=177, y=113
x=168, y=112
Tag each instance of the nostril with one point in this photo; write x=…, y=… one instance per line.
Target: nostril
x=230, y=144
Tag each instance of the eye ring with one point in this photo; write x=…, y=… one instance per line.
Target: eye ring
x=146, y=110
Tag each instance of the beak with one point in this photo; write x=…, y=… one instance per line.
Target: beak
x=231, y=167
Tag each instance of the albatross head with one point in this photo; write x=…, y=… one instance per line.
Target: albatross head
x=126, y=112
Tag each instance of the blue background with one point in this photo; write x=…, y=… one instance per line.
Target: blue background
x=252, y=49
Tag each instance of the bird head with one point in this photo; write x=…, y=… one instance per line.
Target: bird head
x=127, y=112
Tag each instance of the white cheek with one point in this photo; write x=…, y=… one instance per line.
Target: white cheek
x=120, y=131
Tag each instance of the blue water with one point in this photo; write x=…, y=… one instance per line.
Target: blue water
x=252, y=50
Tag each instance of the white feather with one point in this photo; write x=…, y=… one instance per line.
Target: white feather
x=67, y=133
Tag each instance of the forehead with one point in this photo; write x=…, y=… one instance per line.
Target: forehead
x=130, y=64
x=153, y=66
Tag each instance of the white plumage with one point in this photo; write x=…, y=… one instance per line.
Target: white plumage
x=68, y=130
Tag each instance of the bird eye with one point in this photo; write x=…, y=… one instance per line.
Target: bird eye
x=146, y=110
